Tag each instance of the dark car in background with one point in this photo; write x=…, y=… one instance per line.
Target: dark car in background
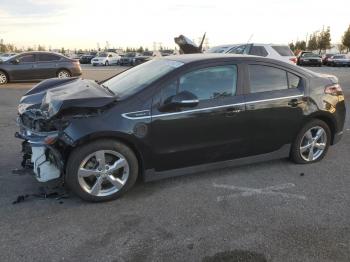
x=37, y=66
x=133, y=58
x=306, y=58
x=86, y=59
x=339, y=60
x=174, y=116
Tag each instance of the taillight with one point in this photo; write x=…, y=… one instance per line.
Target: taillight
x=293, y=59
x=333, y=90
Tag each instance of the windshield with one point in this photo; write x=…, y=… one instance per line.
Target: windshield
x=136, y=78
x=130, y=54
x=339, y=57
x=218, y=49
x=310, y=55
x=102, y=55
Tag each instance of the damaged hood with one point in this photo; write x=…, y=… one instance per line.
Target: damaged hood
x=54, y=96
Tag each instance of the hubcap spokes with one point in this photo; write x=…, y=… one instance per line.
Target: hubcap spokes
x=2, y=79
x=103, y=173
x=313, y=143
x=63, y=75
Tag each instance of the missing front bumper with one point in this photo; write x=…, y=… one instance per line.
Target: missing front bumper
x=45, y=160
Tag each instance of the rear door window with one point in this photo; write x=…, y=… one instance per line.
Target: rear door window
x=283, y=50
x=258, y=51
x=266, y=78
x=48, y=57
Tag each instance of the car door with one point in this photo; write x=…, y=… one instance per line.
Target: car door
x=211, y=131
x=46, y=65
x=274, y=106
x=22, y=67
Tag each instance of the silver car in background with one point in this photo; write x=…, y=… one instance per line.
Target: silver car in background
x=274, y=51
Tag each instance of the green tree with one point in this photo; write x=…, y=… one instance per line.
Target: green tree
x=41, y=48
x=292, y=46
x=346, y=39
x=341, y=47
x=324, y=40
x=313, y=42
x=140, y=49
x=300, y=45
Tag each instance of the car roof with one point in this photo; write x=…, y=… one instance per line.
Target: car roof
x=189, y=58
x=39, y=52
x=215, y=57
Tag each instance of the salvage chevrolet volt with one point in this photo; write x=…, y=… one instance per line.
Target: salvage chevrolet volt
x=176, y=115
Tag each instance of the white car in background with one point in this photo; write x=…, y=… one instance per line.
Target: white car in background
x=106, y=58
x=7, y=56
x=279, y=52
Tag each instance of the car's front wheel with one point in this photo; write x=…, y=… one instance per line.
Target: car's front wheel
x=311, y=143
x=3, y=78
x=102, y=170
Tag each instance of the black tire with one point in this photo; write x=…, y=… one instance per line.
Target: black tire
x=3, y=78
x=79, y=153
x=295, y=154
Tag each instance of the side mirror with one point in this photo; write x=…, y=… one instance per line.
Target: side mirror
x=15, y=61
x=183, y=99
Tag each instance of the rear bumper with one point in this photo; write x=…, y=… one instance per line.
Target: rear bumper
x=76, y=71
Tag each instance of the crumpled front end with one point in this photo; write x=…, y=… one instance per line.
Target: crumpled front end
x=41, y=147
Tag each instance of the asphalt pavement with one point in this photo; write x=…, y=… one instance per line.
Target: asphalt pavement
x=272, y=211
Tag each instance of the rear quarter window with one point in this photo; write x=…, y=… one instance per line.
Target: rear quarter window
x=283, y=50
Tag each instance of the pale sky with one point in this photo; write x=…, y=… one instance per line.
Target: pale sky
x=84, y=23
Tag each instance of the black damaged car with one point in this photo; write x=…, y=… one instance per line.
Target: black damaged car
x=175, y=116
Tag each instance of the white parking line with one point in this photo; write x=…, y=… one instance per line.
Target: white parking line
x=247, y=192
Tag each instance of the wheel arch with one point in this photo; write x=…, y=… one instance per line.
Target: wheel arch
x=112, y=136
x=328, y=119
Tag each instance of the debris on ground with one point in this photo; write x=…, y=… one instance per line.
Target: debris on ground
x=58, y=193
x=301, y=174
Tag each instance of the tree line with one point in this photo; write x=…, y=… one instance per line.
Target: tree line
x=321, y=41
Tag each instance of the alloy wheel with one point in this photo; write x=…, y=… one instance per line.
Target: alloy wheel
x=63, y=74
x=3, y=78
x=103, y=173
x=313, y=144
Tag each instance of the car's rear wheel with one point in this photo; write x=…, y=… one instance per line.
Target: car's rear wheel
x=63, y=74
x=311, y=143
x=3, y=78
x=102, y=170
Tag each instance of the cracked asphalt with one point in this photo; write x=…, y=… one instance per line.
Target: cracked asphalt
x=185, y=218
